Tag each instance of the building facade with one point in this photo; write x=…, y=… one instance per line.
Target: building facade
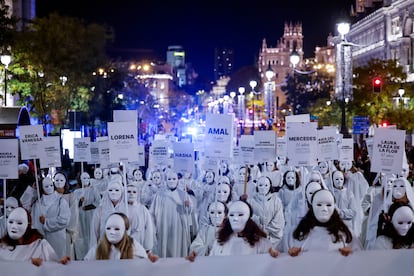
x=385, y=33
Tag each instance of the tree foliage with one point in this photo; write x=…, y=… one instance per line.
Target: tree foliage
x=381, y=106
x=53, y=63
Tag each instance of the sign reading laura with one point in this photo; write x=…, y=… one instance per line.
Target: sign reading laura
x=388, y=150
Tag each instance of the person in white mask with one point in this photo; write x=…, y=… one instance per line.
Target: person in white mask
x=142, y=226
x=240, y=235
x=174, y=216
x=98, y=182
x=268, y=210
x=11, y=204
x=322, y=229
x=207, y=234
x=85, y=201
x=116, y=244
x=51, y=215
x=113, y=201
x=398, y=232
x=22, y=243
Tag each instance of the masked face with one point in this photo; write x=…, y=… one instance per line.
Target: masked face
x=323, y=167
x=263, y=185
x=270, y=166
x=17, y=223
x=85, y=178
x=323, y=205
x=398, y=189
x=402, y=220
x=132, y=194
x=60, y=180
x=345, y=165
x=223, y=166
x=209, y=177
x=291, y=178
x=338, y=180
x=388, y=182
x=239, y=214
x=223, y=192
x=115, y=229
x=97, y=173
x=137, y=175
x=172, y=180
x=114, y=191
x=311, y=188
x=11, y=204
x=405, y=172
x=156, y=178
x=216, y=213
x=242, y=174
x=47, y=185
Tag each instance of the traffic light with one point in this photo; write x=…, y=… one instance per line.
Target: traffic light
x=377, y=85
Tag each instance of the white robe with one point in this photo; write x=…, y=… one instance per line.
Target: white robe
x=204, y=240
x=139, y=252
x=40, y=248
x=175, y=223
x=238, y=246
x=142, y=226
x=268, y=213
x=319, y=239
x=57, y=213
x=349, y=210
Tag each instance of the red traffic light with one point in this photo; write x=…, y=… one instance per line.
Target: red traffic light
x=376, y=85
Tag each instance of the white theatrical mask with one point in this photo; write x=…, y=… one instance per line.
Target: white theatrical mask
x=338, y=179
x=216, y=212
x=223, y=192
x=345, y=165
x=60, y=180
x=156, y=178
x=115, y=228
x=114, y=191
x=47, y=185
x=209, y=177
x=270, y=166
x=402, y=220
x=239, y=214
x=323, y=205
x=291, y=178
x=172, y=180
x=17, y=223
x=323, y=167
x=85, y=178
x=263, y=185
x=98, y=173
x=398, y=189
x=11, y=204
x=137, y=175
x=310, y=189
x=132, y=194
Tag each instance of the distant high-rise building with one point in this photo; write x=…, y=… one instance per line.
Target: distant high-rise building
x=176, y=58
x=223, y=62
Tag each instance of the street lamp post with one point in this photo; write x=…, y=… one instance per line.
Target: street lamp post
x=253, y=84
x=5, y=60
x=343, y=29
x=269, y=98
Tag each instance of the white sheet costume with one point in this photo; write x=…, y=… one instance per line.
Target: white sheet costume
x=268, y=211
x=142, y=226
x=174, y=216
x=115, y=232
x=55, y=209
x=113, y=201
x=207, y=234
x=17, y=226
x=239, y=214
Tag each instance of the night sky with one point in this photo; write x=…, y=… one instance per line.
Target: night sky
x=200, y=26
